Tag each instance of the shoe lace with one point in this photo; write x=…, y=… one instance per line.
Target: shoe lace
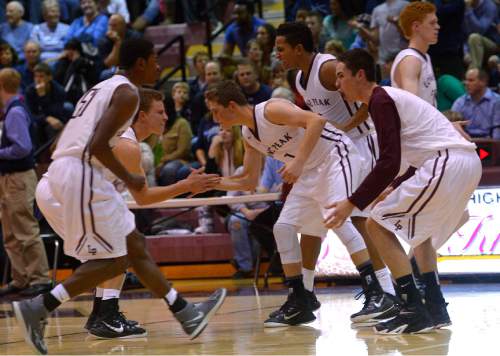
x=370, y=298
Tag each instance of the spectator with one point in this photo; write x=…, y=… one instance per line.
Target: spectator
x=494, y=71
x=197, y=84
x=112, y=7
x=337, y=26
x=21, y=233
x=32, y=58
x=148, y=17
x=243, y=29
x=68, y=9
x=484, y=35
x=334, y=47
x=180, y=94
x=8, y=56
x=213, y=74
x=175, y=162
x=45, y=99
x=447, y=54
x=384, y=31
x=247, y=78
x=449, y=89
x=50, y=34
x=314, y=21
x=293, y=8
x=109, y=46
x=278, y=75
x=16, y=31
x=226, y=149
x=266, y=35
x=89, y=28
x=75, y=72
x=480, y=106
x=255, y=53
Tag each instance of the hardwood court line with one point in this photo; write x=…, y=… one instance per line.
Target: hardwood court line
x=425, y=347
x=148, y=323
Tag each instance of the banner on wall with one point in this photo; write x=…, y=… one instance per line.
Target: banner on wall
x=475, y=247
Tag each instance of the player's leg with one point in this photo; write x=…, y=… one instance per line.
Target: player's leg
x=381, y=271
x=192, y=316
x=310, y=247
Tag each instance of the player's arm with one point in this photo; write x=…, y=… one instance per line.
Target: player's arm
x=287, y=114
x=122, y=107
x=328, y=78
x=249, y=178
x=129, y=154
x=408, y=73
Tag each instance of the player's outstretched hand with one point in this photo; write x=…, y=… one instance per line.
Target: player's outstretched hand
x=135, y=181
x=341, y=210
x=291, y=171
x=200, y=182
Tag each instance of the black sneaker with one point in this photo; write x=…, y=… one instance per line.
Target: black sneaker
x=32, y=315
x=439, y=314
x=295, y=311
x=412, y=319
x=114, y=326
x=378, y=307
x=313, y=302
x=93, y=317
x=194, y=317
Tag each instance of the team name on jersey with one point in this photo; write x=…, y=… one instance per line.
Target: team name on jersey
x=318, y=102
x=271, y=149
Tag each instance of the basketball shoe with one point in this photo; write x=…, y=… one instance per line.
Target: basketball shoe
x=378, y=306
x=314, y=303
x=31, y=315
x=412, y=319
x=296, y=310
x=439, y=314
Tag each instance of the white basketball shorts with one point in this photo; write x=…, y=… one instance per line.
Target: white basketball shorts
x=85, y=209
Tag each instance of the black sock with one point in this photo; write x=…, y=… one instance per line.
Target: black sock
x=369, y=279
x=179, y=304
x=433, y=292
x=50, y=302
x=408, y=291
x=108, y=306
x=296, y=284
x=95, y=306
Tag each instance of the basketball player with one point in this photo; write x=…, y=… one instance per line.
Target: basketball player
x=105, y=320
x=423, y=209
x=322, y=163
x=315, y=82
x=85, y=209
x=412, y=67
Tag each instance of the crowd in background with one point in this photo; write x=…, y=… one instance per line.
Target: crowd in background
x=61, y=48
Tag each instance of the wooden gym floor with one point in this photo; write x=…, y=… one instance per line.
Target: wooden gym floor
x=237, y=328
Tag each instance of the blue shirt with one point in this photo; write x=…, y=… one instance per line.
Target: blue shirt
x=235, y=37
x=271, y=179
x=482, y=20
x=483, y=116
x=88, y=34
x=17, y=127
x=27, y=76
x=263, y=94
x=17, y=36
x=51, y=41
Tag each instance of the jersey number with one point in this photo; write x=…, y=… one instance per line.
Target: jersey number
x=84, y=102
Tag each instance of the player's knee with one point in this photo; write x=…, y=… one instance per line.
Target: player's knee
x=287, y=243
x=350, y=237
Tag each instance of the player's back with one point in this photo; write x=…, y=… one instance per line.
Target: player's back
x=424, y=130
x=88, y=112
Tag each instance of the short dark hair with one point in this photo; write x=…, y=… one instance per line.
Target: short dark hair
x=248, y=4
x=296, y=33
x=146, y=98
x=359, y=59
x=74, y=44
x=225, y=91
x=44, y=68
x=246, y=62
x=132, y=49
x=316, y=14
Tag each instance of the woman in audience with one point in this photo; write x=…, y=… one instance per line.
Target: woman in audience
x=336, y=25
x=266, y=35
x=254, y=53
x=227, y=150
x=8, y=56
x=175, y=163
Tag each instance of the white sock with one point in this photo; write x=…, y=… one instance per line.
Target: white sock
x=111, y=294
x=308, y=278
x=99, y=292
x=385, y=280
x=171, y=296
x=60, y=293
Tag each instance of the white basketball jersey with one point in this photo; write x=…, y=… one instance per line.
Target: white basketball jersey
x=283, y=142
x=424, y=130
x=88, y=112
x=129, y=134
x=327, y=103
x=427, y=87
